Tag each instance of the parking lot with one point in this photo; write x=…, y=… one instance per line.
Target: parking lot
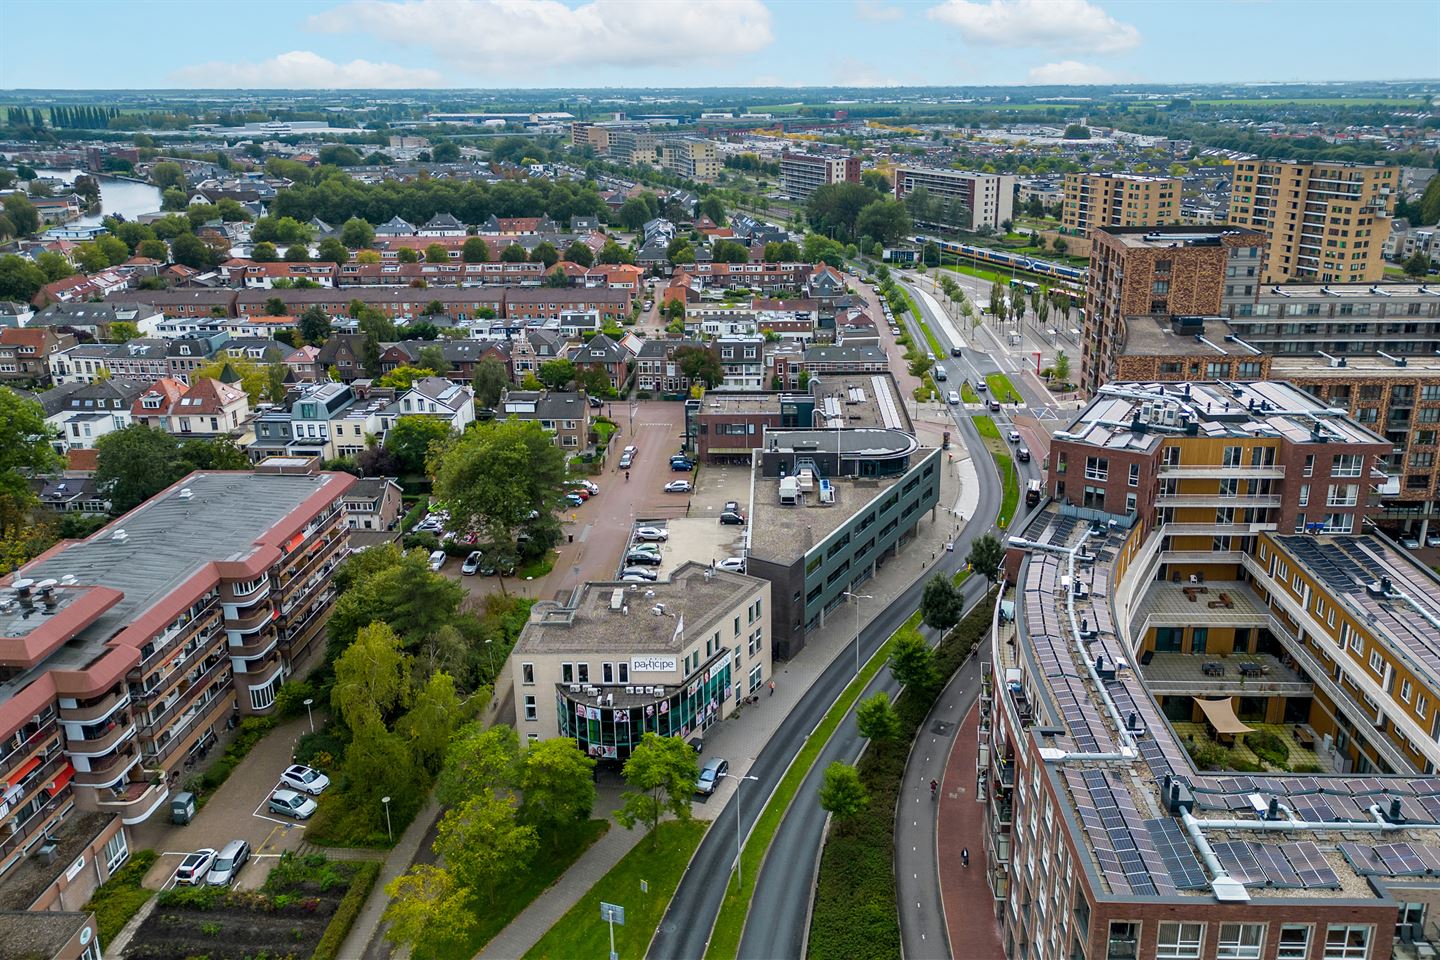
x=699, y=535
x=235, y=812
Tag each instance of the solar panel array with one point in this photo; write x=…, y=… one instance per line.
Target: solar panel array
x=1124, y=850
x=1296, y=864
x=1049, y=641
x=1393, y=859
x=1175, y=850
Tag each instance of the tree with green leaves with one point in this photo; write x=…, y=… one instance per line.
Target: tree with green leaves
x=189, y=250
x=729, y=251
x=912, y=661
x=701, y=365
x=986, y=555
x=401, y=378
x=437, y=253
x=479, y=760
x=315, y=326
x=23, y=216
x=556, y=374
x=484, y=844
x=884, y=220
x=432, y=357
x=1062, y=366
x=357, y=234
x=711, y=206
x=275, y=374
x=134, y=464
x=557, y=782
x=876, y=719
x=545, y=253
x=495, y=475
x=372, y=678
x=167, y=173
x=612, y=252
x=24, y=452
x=332, y=250
x=407, y=255
x=411, y=439
x=634, y=213
x=427, y=727
x=580, y=252
x=264, y=252
x=475, y=250
x=842, y=793
x=942, y=604
x=428, y=905
x=297, y=253
x=491, y=379
x=254, y=376
x=402, y=591
x=20, y=279
x=661, y=774
x=1417, y=264
x=514, y=253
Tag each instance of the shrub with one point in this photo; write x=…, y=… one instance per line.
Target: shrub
x=121, y=897
x=1210, y=756
x=290, y=698
x=361, y=882
x=1268, y=747
x=416, y=513
x=321, y=748
x=204, y=897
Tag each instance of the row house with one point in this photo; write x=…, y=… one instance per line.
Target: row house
x=545, y=303
x=96, y=319
x=25, y=353
x=462, y=357
x=261, y=276
x=81, y=413
x=603, y=353
x=517, y=226
x=565, y=415
x=374, y=504
x=187, y=301
x=743, y=358
x=393, y=273
x=531, y=348
x=656, y=370
x=80, y=287
x=204, y=409
x=442, y=225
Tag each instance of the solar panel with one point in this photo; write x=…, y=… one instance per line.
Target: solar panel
x=1278, y=871
x=1237, y=860
x=1309, y=864
x=1176, y=853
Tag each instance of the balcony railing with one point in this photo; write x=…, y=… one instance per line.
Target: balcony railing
x=251, y=623
x=207, y=627
x=158, y=721
x=105, y=771
x=97, y=708
x=200, y=708
x=306, y=565
x=27, y=830
x=178, y=668
x=315, y=613
x=118, y=729
x=169, y=638
x=14, y=756
x=1221, y=470
x=1217, y=500
x=134, y=801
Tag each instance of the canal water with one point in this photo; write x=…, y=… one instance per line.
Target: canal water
x=117, y=197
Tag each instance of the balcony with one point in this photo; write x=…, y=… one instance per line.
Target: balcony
x=22, y=751
x=311, y=560
x=1273, y=472
x=260, y=591
x=102, y=740
x=204, y=630
x=313, y=616
x=167, y=714
x=1183, y=674
x=97, y=708
x=1215, y=529
x=133, y=802
x=251, y=623
x=254, y=647
x=212, y=703
x=109, y=770
x=27, y=830
x=1217, y=500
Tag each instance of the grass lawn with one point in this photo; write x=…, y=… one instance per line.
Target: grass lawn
x=581, y=933
x=1010, y=498
x=1002, y=389
x=547, y=868
x=987, y=429
x=730, y=923
x=968, y=394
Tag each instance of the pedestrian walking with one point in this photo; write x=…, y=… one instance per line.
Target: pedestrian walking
x=772, y=688
x=964, y=856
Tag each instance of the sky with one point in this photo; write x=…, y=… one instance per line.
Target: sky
x=99, y=44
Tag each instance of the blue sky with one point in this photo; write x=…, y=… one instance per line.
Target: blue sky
x=597, y=43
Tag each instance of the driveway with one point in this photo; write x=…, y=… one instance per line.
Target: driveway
x=234, y=812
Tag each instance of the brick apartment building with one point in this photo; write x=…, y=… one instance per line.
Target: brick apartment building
x=125, y=655
x=1326, y=222
x=1118, y=200
x=1193, y=578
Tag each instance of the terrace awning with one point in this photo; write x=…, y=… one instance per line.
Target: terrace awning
x=1221, y=715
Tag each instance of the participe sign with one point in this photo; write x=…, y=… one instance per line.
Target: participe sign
x=654, y=664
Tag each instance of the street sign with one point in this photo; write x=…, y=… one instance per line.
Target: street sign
x=612, y=913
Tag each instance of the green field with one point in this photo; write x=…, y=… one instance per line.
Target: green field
x=581, y=932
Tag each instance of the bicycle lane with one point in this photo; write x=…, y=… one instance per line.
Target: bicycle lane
x=969, y=904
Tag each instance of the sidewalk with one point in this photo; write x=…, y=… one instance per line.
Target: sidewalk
x=367, y=926
x=969, y=904
x=546, y=910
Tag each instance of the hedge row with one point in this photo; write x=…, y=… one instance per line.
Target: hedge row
x=855, y=911
x=118, y=899
x=361, y=883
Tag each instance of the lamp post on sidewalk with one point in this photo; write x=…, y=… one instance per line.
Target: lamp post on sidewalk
x=857, y=597
x=739, y=876
x=388, y=832
x=308, y=715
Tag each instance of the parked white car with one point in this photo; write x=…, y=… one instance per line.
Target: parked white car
x=437, y=560
x=305, y=779
x=651, y=533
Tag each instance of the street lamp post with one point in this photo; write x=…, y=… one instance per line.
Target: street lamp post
x=308, y=715
x=388, y=832
x=857, y=597
x=739, y=876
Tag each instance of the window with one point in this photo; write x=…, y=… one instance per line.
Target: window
x=117, y=851
x=623, y=669
x=567, y=673
x=1134, y=474
x=1179, y=941
x=530, y=711
x=756, y=677
x=1346, y=465
x=1405, y=690
x=1304, y=494
x=1422, y=705
x=1240, y=941
x=1347, y=942
x=1097, y=468
x=1123, y=941
x=582, y=672
x=1377, y=662
x=1309, y=464
x=607, y=672
x=1294, y=942
x=527, y=674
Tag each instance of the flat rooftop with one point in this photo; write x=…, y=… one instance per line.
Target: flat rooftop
x=1130, y=845
x=782, y=534
x=1158, y=238
x=1349, y=291
x=1138, y=416
x=586, y=623
x=167, y=540
x=27, y=880
x=1291, y=367
x=1157, y=336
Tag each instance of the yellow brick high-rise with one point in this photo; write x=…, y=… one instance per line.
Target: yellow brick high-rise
x=1118, y=200
x=1326, y=222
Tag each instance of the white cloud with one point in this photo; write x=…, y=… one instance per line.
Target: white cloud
x=302, y=69
x=1059, y=24
x=520, y=36
x=1071, y=71
x=876, y=12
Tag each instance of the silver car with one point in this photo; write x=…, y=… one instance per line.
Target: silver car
x=228, y=862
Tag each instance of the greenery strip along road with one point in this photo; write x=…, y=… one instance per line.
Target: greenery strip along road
x=1002, y=389
x=1010, y=483
x=725, y=939
x=659, y=862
